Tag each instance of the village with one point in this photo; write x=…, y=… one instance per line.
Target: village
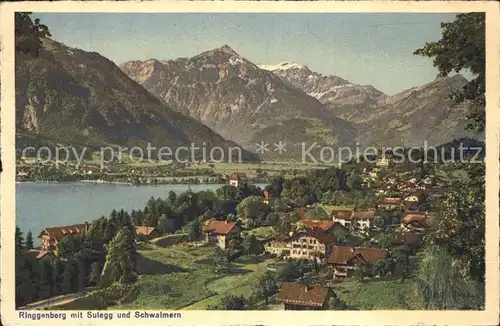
x=266, y=252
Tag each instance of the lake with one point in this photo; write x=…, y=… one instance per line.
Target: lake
x=41, y=205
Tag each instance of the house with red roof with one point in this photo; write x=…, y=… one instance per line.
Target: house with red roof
x=325, y=226
x=235, y=178
x=343, y=217
x=362, y=220
x=146, y=232
x=415, y=221
x=51, y=237
x=312, y=243
x=391, y=202
x=345, y=260
x=298, y=296
x=221, y=232
x=277, y=245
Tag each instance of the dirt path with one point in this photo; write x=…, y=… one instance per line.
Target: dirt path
x=56, y=301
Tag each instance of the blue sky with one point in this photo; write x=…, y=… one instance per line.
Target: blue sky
x=369, y=48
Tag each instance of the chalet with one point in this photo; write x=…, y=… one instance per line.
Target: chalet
x=391, y=202
x=363, y=219
x=311, y=244
x=324, y=226
x=277, y=245
x=51, y=236
x=345, y=260
x=298, y=296
x=221, y=232
x=415, y=221
x=235, y=178
x=343, y=217
x=146, y=233
x=355, y=220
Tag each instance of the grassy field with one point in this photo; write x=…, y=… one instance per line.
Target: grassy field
x=379, y=294
x=268, y=166
x=179, y=277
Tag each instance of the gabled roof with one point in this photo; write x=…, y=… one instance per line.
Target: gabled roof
x=60, y=232
x=302, y=294
x=238, y=176
x=410, y=217
x=341, y=254
x=220, y=227
x=323, y=225
x=342, y=214
x=391, y=201
x=363, y=214
x=316, y=233
x=144, y=230
x=278, y=237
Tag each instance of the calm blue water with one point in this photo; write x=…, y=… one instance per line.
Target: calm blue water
x=40, y=205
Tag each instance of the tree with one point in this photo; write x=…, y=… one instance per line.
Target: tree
x=29, y=33
x=267, y=286
x=19, y=245
x=120, y=260
x=253, y=208
x=95, y=273
x=218, y=257
x=194, y=230
x=460, y=229
x=46, y=280
x=252, y=246
x=335, y=303
x=442, y=285
x=462, y=47
x=29, y=240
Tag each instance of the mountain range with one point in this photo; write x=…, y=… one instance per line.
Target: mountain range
x=73, y=97
x=218, y=97
x=248, y=103
x=240, y=101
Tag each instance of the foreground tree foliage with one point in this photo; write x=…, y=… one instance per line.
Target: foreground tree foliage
x=451, y=274
x=120, y=260
x=29, y=33
x=462, y=47
x=442, y=283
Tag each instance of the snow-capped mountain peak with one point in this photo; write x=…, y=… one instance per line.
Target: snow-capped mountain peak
x=282, y=66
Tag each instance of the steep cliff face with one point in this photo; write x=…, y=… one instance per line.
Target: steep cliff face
x=418, y=115
x=409, y=118
x=239, y=100
x=340, y=97
x=289, y=102
x=77, y=97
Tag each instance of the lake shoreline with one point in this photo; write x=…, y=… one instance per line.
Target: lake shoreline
x=122, y=183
